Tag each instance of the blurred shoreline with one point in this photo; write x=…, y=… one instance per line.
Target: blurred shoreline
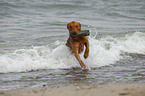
x=100, y=90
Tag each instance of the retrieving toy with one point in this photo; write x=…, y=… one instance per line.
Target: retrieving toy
x=81, y=33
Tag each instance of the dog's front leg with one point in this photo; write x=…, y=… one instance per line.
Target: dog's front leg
x=80, y=61
x=87, y=50
x=76, y=49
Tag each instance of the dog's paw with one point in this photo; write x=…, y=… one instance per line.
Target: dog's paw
x=85, y=55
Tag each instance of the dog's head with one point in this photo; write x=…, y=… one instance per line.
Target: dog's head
x=74, y=27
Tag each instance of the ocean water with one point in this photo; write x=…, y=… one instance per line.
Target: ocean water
x=33, y=34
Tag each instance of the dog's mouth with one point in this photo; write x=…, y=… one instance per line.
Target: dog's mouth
x=74, y=33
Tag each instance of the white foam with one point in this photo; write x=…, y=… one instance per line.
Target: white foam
x=134, y=43
x=102, y=52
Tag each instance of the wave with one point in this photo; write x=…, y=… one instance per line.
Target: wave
x=105, y=51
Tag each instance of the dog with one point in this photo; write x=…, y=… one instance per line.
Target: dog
x=77, y=44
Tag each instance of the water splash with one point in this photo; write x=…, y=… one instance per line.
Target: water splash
x=104, y=51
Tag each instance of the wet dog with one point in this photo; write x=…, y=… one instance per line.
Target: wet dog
x=77, y=44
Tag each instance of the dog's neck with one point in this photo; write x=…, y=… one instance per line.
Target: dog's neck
x=75, y=38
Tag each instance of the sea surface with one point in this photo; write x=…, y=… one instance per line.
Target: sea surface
x=33, y=34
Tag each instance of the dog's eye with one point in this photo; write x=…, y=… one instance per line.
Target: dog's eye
x=77, y=26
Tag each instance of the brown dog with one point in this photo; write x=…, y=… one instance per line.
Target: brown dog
x=76, y=44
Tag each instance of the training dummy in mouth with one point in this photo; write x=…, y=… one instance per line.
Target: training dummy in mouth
x=81, y=33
